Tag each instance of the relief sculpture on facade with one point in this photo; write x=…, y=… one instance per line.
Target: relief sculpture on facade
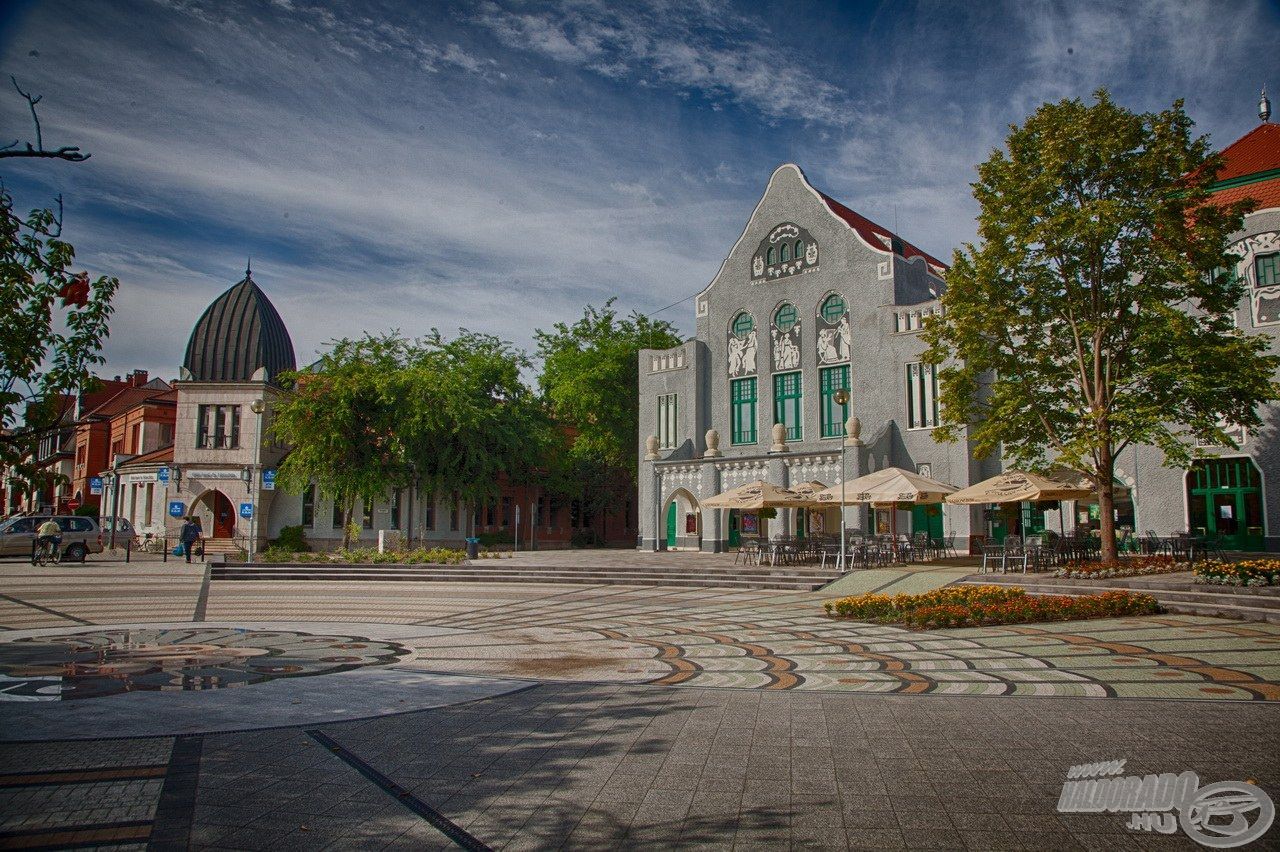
x=786, y=348
x=833, y=341
x=742, y=355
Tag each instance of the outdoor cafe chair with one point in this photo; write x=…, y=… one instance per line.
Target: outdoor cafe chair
x=1014, y=553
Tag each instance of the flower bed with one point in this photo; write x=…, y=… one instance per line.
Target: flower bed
x=1249, y=572
x=973, y=606
x=1130, y=566
x=420, y=556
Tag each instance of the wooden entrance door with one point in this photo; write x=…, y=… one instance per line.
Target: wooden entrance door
x=224, y=516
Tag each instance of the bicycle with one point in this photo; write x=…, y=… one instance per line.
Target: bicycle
x=49, y=552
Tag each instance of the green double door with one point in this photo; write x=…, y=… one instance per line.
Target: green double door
x=927, y=519
x=1224, y=498
x=671, y=524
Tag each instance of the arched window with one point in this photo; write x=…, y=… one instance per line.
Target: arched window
x=743, y=324
x=785, y=318
x=772, y=257
x=799, y=249
x=832, y=308
x=785, y=253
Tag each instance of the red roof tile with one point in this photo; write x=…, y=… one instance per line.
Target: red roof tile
x=163, y=454
x=1266, y=193
x=877, y=235
x=128, y=398
x=1256, y=151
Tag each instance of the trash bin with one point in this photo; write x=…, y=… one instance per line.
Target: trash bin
x=473, y=548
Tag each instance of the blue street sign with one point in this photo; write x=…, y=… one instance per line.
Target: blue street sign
x=176, y=508
x=246, y=510
x=95, y=485
x=163, y=475
x=269, y=479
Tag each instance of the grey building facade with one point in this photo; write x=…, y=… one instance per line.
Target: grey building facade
x=813, y=297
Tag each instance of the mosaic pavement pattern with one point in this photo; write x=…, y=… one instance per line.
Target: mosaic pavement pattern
x=91, y=664
x=690, y=637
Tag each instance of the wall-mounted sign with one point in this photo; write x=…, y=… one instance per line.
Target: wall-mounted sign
x=176, y=508
x=162, y=475
x=246, y=510
x=95, y=485
x=269, y=479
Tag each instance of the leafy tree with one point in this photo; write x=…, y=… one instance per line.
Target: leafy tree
x=385, y=412
x=1090, y=316
x=589, y=381
x=53, y=321
x=470, y=423
x=340, y=420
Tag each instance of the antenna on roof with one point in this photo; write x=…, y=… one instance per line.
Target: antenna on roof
x=1264, y=106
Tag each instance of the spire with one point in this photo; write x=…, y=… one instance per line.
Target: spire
x=248, y=266
x=1264, y=106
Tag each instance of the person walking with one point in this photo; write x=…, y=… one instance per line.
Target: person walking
x=189, y=535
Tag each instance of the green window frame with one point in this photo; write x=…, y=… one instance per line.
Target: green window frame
x=832, y=308
x=788, y=404
x=771, y=256
x=922, y=395
x=742, y=393
x=785, y=318
x=784, y=252
x=830, y=380
x=743, y=324
x=799, y=252
x=1267, y=268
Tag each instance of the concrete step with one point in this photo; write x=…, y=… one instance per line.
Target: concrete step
x=466, y=573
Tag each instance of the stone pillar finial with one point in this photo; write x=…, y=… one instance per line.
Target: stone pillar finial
x=713, y=445
x=651, y=448
x=853, y=432
x=779, y=439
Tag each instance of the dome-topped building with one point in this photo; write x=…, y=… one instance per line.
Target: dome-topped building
x=239, y=338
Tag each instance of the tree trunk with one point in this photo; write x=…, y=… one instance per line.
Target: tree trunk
x=346, y=522
x=1106, y=501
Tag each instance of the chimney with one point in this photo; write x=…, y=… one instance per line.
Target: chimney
x=138, y=379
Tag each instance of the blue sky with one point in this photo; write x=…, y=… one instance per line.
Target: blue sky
x=498, y=165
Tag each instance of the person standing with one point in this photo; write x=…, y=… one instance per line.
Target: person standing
x=189, y=535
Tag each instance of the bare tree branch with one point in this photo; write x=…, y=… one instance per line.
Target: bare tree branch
x=66, y=152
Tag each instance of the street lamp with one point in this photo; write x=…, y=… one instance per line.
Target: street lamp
x=841, y=398
x=257, y=407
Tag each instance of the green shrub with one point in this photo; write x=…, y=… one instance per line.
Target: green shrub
x=292, y=540
x=585, y=537
x=488, y=539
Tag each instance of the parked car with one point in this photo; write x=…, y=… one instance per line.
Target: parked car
x=124, y=530
x=80, y=536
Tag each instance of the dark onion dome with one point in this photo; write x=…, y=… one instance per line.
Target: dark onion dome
x=237, y=335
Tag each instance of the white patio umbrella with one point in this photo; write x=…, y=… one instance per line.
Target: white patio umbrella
x=890, y=485
x=758, y=495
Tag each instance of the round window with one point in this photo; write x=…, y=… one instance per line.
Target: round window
x=785, y=318
x=743, y=324
x=832, y=309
